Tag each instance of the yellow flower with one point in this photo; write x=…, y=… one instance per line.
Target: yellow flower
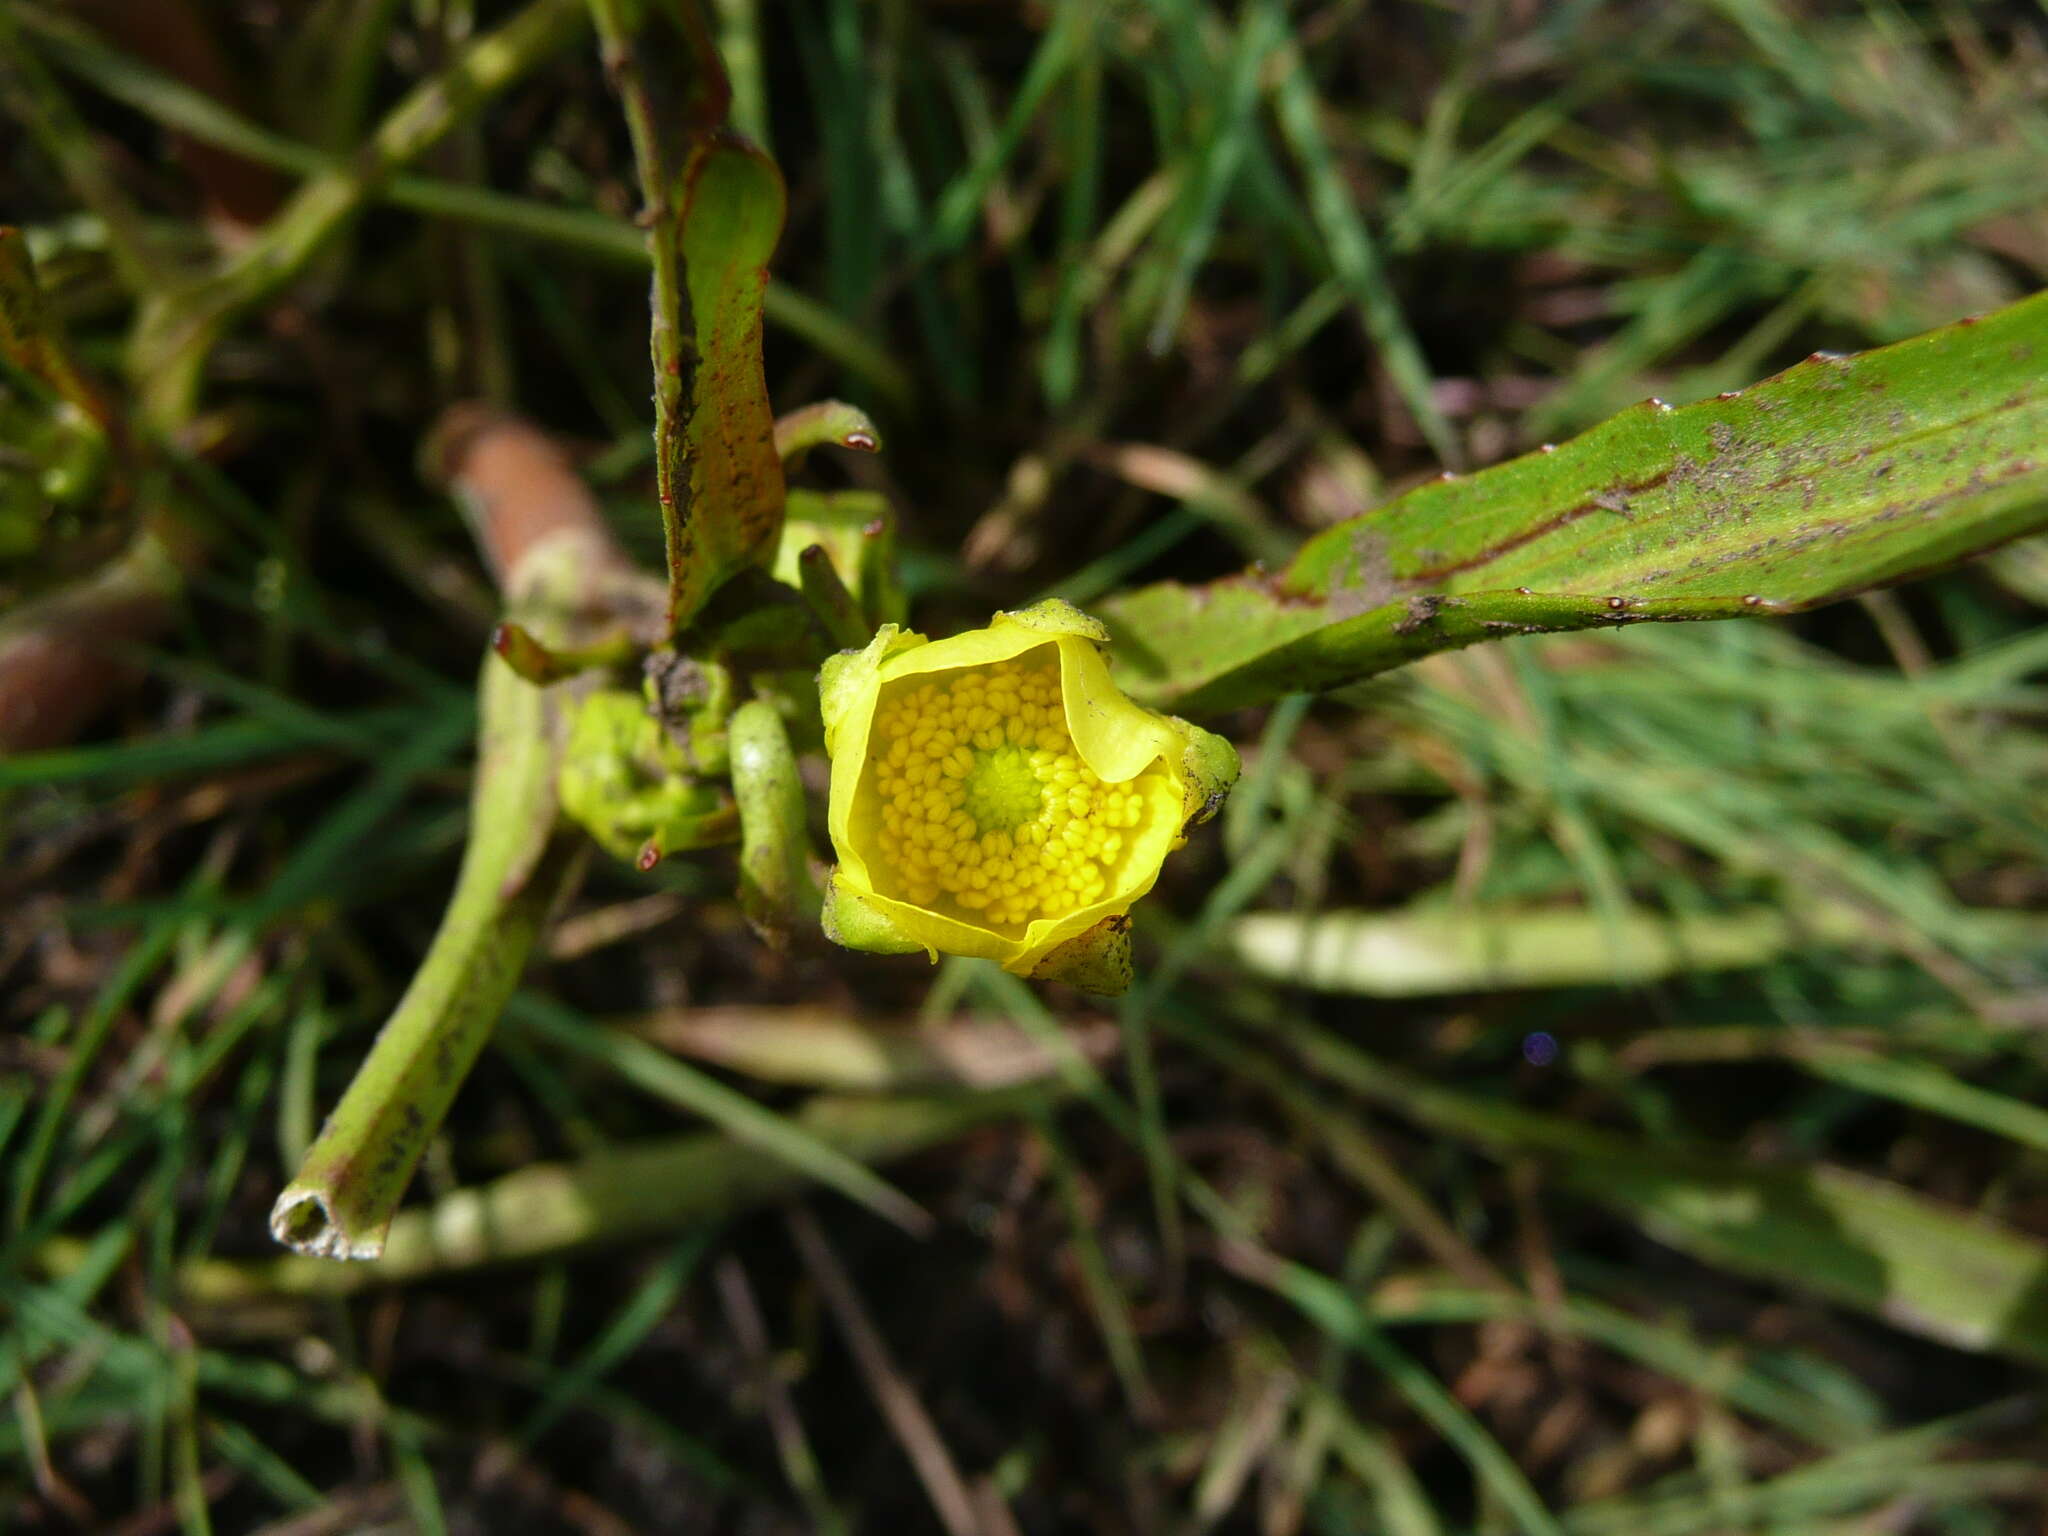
x=994, y=794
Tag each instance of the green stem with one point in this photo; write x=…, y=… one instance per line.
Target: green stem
x=178, y=329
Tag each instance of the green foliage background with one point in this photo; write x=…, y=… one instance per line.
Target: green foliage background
x=1587, y=1084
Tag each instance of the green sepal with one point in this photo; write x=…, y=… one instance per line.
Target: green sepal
x=1097, y=961
x=851, y=921
x=628, y=784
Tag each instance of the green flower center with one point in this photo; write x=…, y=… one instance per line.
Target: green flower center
x=1002, y=791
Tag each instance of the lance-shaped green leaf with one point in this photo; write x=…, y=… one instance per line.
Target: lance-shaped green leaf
x=1839, y=474
x=721, y=478
x=714, y=212
x=563, y=577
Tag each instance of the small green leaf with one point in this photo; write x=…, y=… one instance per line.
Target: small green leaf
x=629, y=784
x=543, y=664
x=1839, y=474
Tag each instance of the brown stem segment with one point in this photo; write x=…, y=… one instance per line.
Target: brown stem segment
x=515, y=486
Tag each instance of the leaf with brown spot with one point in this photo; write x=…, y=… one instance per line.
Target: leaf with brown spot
x=714, y=210
x=723, y=504
x=1837, y=475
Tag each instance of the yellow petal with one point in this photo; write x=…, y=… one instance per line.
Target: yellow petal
x=1115, y=737
x=848, y=686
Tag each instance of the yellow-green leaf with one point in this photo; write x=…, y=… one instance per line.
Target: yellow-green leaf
x=1839, y=474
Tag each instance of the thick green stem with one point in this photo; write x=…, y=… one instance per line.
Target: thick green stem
x=630, y=1193
x=561, y=573
x=578, y=230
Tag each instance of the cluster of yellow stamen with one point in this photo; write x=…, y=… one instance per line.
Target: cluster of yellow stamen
x=987, y=811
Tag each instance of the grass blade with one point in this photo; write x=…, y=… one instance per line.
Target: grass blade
x=735, y=1113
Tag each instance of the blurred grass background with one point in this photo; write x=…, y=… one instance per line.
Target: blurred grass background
x=1587, y=1085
